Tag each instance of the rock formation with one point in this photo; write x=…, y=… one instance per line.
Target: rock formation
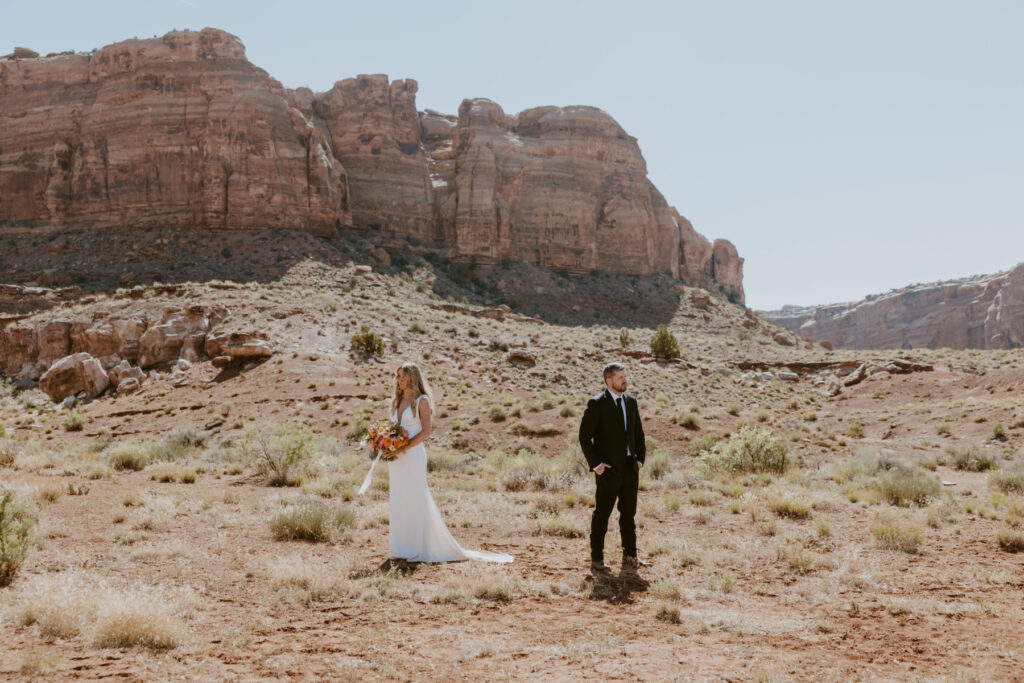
x=183, y=131
x=979, y=313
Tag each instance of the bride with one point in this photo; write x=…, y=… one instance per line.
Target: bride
x=416, y=531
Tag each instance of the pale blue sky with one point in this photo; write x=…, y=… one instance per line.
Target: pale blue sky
x=845, y=147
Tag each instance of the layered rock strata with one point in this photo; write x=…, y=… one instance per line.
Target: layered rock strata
x=977, y=313
x=183, y=131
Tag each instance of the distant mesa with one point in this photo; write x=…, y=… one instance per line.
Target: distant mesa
x=984, y=312
x=183, y=131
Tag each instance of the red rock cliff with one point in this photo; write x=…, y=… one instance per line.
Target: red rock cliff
x=184, y=131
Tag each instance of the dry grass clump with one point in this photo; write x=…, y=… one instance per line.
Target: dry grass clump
x=302, y=580
x=749, y=450
x=50, y=492
x=16, y=522
x=310, y=521
x=8, y=452
x=893, y=536
x=668, y=613
x=168, y=474
x=658, y=465
x=560, y=526
x=69, y=605
x=486, y=583
x=128, y=457
x=903, y=486
x=1010, y=539
x=531, y=472
x=971, y=459
x=1008, y=480
x=75, y=421
x=789, y=507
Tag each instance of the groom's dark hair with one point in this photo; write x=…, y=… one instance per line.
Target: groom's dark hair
x=612, y=368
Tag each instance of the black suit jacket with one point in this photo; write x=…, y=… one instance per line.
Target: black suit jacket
x=603, y=438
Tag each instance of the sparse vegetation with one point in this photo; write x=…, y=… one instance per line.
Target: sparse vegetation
x=894, y=536
x=368, y=342
x=309, y=521
x=16, y=522
x=749, y=450
x=664, y=344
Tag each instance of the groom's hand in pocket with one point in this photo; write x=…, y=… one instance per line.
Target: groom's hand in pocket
x=599, y=470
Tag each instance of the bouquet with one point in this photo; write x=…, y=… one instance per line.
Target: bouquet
x=384, y=438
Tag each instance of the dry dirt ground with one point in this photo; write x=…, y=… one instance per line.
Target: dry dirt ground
x=815, y=573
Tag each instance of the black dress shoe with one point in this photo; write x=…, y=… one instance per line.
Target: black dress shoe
x=598, y=566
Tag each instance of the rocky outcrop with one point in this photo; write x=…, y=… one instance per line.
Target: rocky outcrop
x=180, y=130
x=979, y=313
x=72, y=355
x=183, y=131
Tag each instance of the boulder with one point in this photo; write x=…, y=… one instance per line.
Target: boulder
x=162, y=343
x=79, y=372
x=856, y=376
x=251, y=345
x=783, y=339
x=700, y=299
x=521, y=358
x=789, y=376
x=128, y=385
x=123, y=371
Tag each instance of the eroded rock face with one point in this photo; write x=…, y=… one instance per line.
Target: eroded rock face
x=184, y=131
x=180, y=130
x=982, y=313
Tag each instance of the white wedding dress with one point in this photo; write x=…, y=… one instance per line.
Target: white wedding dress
x=416, y=530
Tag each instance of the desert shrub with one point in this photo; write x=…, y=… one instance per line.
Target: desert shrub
x=856, y=429
x=16, y=522
x=309, y=521
x=789, y=507
x=188, y=437
x=368, y=341
x=280, y=458
x=668, y=613
x=705, y=443
x=497, y=414
x=664, y=343
x=734, y=409
x=624, y=338
x=998, y=432
x=75, y=421
x=130, y=456
x=971, y=459
x=658, y=465
x=902, y=486
x=530, y=472
x=524, y=429
x=1009, y=539
x=749, y=450
x=1008, y=480
x=689, y=421
x=893, y=536
x=442, y=460
x=8, y=452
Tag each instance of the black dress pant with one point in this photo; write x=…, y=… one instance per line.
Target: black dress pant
x=614, y=486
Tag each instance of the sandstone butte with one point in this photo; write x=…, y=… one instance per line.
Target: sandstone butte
x=183, y=131
x=976, y=313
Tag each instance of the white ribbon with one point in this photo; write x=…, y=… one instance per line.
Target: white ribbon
x=369, y=475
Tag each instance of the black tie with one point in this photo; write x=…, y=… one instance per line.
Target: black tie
x=618, y=404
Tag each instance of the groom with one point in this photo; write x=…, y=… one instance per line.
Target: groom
x=612, y=440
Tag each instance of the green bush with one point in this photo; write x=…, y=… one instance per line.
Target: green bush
x=16, y=522
x=368, y=342
x=664, y=343
x=624, y=338
x=749, y=450
x=971, y=459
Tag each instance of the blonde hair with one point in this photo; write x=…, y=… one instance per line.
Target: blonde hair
x=419, y=386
